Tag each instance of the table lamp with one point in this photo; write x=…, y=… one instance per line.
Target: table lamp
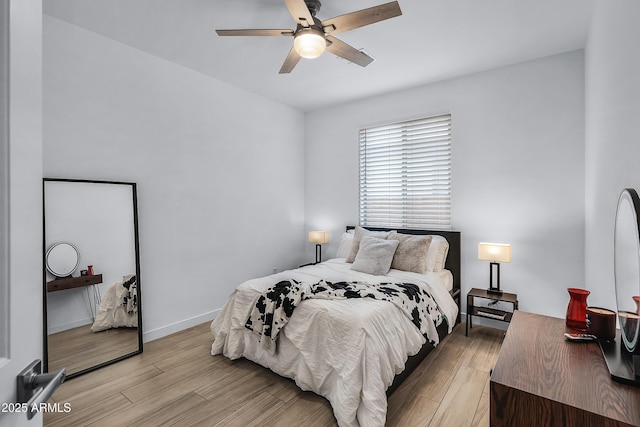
x=495, y=253
x=319, y=238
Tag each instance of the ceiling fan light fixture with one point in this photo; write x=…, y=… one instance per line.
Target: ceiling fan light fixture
x=309, y=43
x=313, y=36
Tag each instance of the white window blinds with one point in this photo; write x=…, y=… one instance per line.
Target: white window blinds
x=405, y=174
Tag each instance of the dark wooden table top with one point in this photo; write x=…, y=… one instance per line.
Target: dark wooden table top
x=483, y=293
x=73, y=282
x=536, y=358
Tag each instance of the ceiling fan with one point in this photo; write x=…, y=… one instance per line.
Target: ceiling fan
x=312, y=36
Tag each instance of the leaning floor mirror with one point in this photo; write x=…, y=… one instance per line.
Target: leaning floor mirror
x=92, y=305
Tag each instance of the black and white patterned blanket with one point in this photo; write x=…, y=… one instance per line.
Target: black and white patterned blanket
x=275, y=306
x=130, y=296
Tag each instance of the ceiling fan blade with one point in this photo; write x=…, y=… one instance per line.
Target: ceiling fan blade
x=343, y=50
x=292, y=60
x=363, y=17
x=254, y=32
x=300, y=12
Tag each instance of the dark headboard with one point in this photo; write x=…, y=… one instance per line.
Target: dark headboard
x=453, y=258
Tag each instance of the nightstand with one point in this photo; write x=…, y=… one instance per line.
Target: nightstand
x=488, y=312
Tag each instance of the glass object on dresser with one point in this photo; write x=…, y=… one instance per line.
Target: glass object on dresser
x=577, y=309
x=91, y=292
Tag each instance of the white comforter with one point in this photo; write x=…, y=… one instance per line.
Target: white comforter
x=345, y=350
x=113, y=313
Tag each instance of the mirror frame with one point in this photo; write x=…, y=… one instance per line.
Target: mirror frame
x=622, y=364
x=631, y=196
x=44, y=274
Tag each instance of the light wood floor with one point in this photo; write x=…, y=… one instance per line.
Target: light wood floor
x=177, y=382
x=80, y=348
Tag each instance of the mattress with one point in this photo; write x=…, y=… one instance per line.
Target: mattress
x=348, y=351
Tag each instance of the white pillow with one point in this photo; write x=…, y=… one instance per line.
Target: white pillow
x=412, y=252
x=345, y=245
x=375, y=255
x=358, y=235
x=437, y=255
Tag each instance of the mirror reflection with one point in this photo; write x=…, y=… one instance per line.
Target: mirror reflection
x=91, y=262
x=627, y=267
x=62, y=259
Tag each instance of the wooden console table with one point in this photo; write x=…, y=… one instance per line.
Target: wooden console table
x=541, y=379
x=73, y=282
x=79, y=282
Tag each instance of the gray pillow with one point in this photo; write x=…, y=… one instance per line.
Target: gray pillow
x=412, y=251
x=358, y=235
x=375, y=255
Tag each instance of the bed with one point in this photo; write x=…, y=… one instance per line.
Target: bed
x=352, y=351
x=119, y=306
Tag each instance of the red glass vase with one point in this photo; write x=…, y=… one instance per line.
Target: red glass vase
x=577, y=309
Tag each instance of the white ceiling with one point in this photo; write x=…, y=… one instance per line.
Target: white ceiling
x=433, y=40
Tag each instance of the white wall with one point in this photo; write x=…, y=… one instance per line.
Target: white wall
x=612, y=134
x=219, y=170
x=518, y=170
x=522, y=173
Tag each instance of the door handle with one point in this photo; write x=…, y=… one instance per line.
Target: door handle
x=34, y=387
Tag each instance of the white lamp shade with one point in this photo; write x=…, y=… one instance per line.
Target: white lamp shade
x=320, y=237
x=496, y=252
x=309, y=43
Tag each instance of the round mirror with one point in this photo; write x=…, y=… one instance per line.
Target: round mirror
x=626, y=258
x=62, y=259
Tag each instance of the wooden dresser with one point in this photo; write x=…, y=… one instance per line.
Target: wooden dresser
x=541, y=379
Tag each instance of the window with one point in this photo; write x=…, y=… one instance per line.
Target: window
x=405, y=174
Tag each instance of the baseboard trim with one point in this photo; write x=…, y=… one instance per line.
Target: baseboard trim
x=75, y=324
x=172, y=328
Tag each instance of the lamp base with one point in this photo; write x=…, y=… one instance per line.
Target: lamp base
x=494, y=286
